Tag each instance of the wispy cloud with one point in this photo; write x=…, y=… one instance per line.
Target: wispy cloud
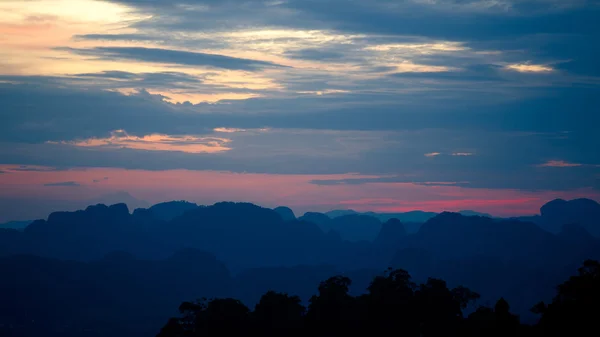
x=64, y=183
x=559, y=163
x=455, y=154
x=170, y=56
x=529, y=68
x=432, y=154
x=228, y=130
x=156, y=142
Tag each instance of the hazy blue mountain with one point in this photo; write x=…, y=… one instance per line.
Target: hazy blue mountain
x=340, y=212
x=169, y=210
x=475, y=213
x=497, y=257
x=286, y=213
x=20, y=225
x=559, y=212
x=411, y=216
x=320, y=219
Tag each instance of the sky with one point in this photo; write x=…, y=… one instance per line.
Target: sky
x=375, y=105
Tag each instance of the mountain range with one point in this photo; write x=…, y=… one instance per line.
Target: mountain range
x=128, y=268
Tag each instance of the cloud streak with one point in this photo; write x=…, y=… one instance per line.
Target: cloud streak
x=64, y=184
x=155, y=142
x=559, y=163
x=169, y=56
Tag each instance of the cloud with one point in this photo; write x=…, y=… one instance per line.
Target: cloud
x=410, y=67
x=228, y=130
x=421, y=48
x=116, y=37
x=529, y=68
x=169, y=56
x=386, y=179
x=559, y=163
x=444, y=183
x=64, y=183
x=99, y=180
x=156, y=142
x=31, y=168
x=315, y=54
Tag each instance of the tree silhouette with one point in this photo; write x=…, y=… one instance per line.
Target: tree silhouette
x=496, y=322
x=440, y=309
x=330, y=312
x=393, y=305
x=278, y=314
x=576, y=308
x=389, y=305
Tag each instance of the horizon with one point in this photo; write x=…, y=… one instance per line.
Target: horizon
x=430, y=105
x=142, y=204
x=82, y=191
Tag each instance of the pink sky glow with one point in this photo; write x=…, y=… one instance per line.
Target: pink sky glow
x=269, y=190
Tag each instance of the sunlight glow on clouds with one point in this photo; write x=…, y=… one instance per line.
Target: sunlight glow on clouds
x=347, y=86
x=530, y=68
x=432, y=154
x=157, y=142
x=421, y=48
x=409, y=67
x=228, y=130
x=181, y=96
x=559, y=163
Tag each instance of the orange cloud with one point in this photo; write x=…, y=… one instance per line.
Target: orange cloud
x=157, y=142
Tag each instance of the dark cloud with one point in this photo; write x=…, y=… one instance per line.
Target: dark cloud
x=503, y=159
x=314, y=54
x=112, y=74
x=469, y=73
x=157, y=80
x=171, y=56
x=358, y=119
x=361, y=181
x=42, y=113
x=26, y=168
x=116, y=37
x=64, y=183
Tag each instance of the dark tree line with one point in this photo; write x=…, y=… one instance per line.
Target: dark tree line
x=393, y=305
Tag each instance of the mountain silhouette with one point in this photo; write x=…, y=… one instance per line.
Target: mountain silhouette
x=169, y=210
x=317, y=218
x=286, y=213
x=559, y=212
x=165, y=254
x=20, y=225
x=474, y=213
x=391, y=234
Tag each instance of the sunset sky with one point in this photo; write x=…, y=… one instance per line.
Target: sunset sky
x=381, y=105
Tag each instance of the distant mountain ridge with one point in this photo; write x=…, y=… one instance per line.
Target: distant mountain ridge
x=20, y=225
x=109, y=251
x=411, y=216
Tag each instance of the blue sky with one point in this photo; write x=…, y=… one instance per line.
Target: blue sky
x=487, y=97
